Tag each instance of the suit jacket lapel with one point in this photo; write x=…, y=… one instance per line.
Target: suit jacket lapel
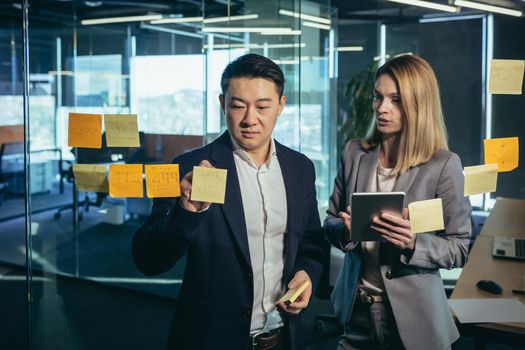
x=367, y=169
x=405, y=180
x=222, y=157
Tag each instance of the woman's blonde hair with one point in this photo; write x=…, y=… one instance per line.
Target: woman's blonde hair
x=423, y=129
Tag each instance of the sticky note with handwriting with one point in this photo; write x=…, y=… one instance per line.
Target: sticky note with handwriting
x=502, y=151
x=84, y=130
x=480, y=179
x=506, y=77
x=125, y=180
x=121, y=130
x=91, y=178
x=426, y=216
x=162, y=180
x=208, y=185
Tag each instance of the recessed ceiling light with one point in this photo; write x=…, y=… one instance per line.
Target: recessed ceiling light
x=93, y=3
x=427, y=4
x=92, y=21
x=489, y=8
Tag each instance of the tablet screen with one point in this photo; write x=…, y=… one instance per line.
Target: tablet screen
x=366, y=205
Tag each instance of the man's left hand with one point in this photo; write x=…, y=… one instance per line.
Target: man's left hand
x=302, y=301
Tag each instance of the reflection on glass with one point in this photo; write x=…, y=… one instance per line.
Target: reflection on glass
x=167, y=72
x=167, y=93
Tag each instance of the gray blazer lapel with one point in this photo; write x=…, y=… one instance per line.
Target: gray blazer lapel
x=405, y=180
x=367, y=170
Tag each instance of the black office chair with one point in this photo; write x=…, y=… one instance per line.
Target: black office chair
x=85, y=203
x=103, y=155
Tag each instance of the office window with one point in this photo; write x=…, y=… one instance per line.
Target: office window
x=99, y=81
x=167, y=93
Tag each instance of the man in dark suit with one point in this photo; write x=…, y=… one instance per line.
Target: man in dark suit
x=265, y=238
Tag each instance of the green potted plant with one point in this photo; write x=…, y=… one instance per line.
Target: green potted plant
x=359, y=91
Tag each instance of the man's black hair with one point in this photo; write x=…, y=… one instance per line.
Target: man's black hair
x=253, y=66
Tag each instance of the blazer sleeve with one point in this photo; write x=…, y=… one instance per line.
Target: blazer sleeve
x=333, y=226
x=448, y=248
x=167, y=232
x=164, y=237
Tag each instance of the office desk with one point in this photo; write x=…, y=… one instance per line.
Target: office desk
x=507, y=218
x=41, y=175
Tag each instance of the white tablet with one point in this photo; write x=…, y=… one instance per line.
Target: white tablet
x=366, y=205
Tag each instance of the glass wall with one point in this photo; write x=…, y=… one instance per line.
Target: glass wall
x=13, y=218
x=160, y=61
x=85, y=285
x=305, y=51
x=461, y=63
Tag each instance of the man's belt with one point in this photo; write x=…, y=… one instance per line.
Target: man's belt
x=267, y=340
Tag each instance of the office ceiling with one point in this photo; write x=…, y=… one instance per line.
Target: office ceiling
x=387, y=10
x=62, y=10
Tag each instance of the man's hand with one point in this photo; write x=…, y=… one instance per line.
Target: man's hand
x=302, y=301
x=185, y=190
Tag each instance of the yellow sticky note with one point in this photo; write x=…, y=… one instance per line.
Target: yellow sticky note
x=208, y=185
x=503, y=151
x=506, y=76
x=85, y=130
x=480, y=179
x=292, y=294
x=162, y=180
x=91, y=178
x=426, y=216
x=125, y=180
x=121, y=130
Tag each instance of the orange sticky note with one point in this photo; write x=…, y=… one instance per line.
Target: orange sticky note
x=162, y=180
x=125, y=180
x=84, y=130
x=502, y=151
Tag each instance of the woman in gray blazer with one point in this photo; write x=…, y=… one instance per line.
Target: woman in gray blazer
x=389, y=295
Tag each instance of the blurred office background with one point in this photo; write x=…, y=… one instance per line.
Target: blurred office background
x=67, y=279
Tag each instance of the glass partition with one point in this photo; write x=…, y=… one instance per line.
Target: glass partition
x=161, y=62
x=81, y=254
x=13, y=218
x=300, y=36
x=68, y=280
x=463, y=94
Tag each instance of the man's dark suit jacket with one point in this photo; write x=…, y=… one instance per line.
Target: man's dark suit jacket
x=214, y=307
